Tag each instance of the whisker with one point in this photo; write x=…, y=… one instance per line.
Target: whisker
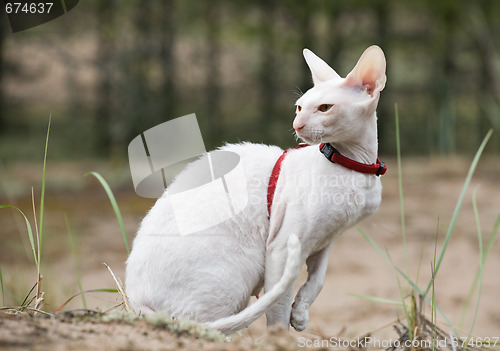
x=294, y=134
x=297, y=92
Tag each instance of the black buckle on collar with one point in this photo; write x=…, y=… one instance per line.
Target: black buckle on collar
x=381, y=167
x=328, y=150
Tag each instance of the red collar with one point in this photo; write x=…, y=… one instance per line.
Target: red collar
x=378, y=168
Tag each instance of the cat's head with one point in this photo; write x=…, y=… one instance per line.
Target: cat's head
x=337, y=109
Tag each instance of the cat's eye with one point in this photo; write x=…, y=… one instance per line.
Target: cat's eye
x=324, y=107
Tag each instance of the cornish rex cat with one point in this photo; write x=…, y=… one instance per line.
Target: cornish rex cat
x=317, y=193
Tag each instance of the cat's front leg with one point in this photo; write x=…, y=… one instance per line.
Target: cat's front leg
x=279, y=312
x=316, y=270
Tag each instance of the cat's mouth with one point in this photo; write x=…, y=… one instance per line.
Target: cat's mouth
x=312, y=137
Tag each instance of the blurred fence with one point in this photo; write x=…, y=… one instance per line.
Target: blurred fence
x=110, y=69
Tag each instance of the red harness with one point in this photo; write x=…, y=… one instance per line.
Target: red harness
x=379, y=168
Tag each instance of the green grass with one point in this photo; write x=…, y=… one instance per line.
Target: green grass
x=411, y=310
x=35, y=236
x=82, y=293
x=114, y=204
x=481, y=258
x=42, y=208
x=36, y=247
x=478, y=275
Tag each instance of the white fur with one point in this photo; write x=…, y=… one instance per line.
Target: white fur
x=210, y=277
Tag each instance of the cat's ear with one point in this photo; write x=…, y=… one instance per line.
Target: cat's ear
x=369, y=73
x=320, y=70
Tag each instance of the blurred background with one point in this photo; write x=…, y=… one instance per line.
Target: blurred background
x=108, y=70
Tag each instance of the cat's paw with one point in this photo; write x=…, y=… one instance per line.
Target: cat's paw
x=299, y=317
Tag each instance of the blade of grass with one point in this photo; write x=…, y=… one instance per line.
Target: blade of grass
x=27, y=299
x=400, y=187
x=75, y=258
x=419, y=267
x=5, y=184
x=28, y=227
x=81, y=293
x=433, y=306
x=403, y=224
x=376, y=299
x=405, y=309
x=1, y=286
x=121, y=290
x=114, y=204
x=481, y=259
x=39, y=300
x=37, y=237
x=433, y=297
x=473, y=287
x=454, y=218
x=42, y=196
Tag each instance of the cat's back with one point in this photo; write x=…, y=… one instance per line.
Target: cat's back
x=252, y=170
x=255, y=158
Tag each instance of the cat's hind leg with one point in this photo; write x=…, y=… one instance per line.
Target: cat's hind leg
x=316, y=270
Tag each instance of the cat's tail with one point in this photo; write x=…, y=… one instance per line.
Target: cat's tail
x=242, y=319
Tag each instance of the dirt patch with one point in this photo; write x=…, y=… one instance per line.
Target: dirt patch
x=89, y=332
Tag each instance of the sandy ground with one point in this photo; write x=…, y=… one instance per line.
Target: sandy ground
x=431, y=189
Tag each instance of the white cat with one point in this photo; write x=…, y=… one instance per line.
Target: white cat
x=210, y=276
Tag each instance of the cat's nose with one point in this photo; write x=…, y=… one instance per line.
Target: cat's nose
x=298, y=125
